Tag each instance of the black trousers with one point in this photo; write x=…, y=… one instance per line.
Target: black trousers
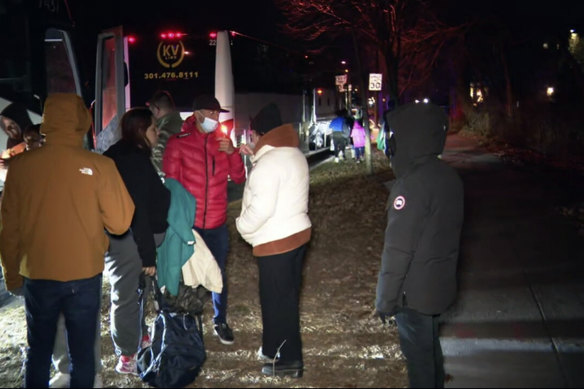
x=340, y=142
x=279, y=284
x=418, y=336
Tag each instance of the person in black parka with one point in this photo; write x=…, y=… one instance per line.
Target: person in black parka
x=417, y=279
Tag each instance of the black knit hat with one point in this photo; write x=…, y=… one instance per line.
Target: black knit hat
x=17, y=112
x=207, y=102
x=268, y=118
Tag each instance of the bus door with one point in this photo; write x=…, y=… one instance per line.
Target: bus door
x=111, y=87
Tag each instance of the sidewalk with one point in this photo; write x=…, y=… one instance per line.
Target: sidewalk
x=519, y=317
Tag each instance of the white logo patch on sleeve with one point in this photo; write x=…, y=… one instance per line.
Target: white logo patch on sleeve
x=86, y=171
x=399, y=202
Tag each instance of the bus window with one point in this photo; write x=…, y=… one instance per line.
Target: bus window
x=60, y=63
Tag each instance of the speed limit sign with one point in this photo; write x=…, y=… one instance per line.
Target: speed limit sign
x=375, y=81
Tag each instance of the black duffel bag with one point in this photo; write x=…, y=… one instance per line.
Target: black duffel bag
x=177, y=352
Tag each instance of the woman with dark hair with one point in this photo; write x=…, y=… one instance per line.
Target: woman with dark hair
x=134, y=253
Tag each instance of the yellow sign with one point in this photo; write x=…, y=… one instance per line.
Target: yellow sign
x=171, y=75
x=170, y=54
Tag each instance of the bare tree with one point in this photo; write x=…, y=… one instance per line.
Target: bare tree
x=405, y=33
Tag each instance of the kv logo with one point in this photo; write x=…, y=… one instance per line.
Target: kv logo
x=170, y=55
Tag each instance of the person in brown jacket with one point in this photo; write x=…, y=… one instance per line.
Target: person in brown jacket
x=53, y=237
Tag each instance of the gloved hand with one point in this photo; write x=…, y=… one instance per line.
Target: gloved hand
x=17, y=291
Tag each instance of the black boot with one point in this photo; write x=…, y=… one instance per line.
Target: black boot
x=283, y=368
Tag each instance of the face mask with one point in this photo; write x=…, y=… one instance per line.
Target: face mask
x=209, y=125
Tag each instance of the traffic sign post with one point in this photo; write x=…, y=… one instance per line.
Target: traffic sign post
x=341, y=79
x=375, y=81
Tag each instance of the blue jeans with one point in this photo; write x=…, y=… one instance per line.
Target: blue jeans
x=79, y=301
x=419, y=341
x=217, y=240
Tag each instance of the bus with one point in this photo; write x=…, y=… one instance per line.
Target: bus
x=243, y=72
x=39, y=42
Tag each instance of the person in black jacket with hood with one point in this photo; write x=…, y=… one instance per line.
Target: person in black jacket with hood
x=417, y=279
x=134, y=253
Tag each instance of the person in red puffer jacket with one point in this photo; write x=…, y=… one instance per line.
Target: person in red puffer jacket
x=201, y=158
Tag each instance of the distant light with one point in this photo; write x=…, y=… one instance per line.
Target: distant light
x=187, y=52
x=346, y=70
x=233, y=33
x=131, y=39
x=213, y=35
x=426, y=100
x=319, y=91
x=416, y=101
x=163, y=35
x=343, y=62
x=572, y=30
x=549, y=91
x=545, y=45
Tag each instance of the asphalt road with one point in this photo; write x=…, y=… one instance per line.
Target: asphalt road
x=519, y=317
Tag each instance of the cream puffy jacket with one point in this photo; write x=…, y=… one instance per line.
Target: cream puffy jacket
x=275, y=199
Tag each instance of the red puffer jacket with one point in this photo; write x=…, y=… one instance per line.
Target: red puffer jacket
x=193, y=158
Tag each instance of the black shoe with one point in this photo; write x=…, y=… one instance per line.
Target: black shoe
x=283, y=368
x=224, y=333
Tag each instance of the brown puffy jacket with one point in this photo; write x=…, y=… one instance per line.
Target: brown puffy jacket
x=57, y=201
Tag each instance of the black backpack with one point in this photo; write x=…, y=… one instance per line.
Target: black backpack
x=177, y=352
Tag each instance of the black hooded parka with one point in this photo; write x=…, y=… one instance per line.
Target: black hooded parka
x=425, y=214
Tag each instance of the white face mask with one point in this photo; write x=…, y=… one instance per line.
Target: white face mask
x=209, y=125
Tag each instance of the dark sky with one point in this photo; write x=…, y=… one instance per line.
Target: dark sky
x=261, y=18
x=257, y=17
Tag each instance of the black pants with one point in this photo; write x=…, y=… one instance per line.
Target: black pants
x=418, y=336
x=340, y=142
x=280, y=279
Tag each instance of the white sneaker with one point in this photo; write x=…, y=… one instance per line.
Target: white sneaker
x=127, y=365
x=262, y=357
x=60, y=380
x=336, y=159
x=63, y=380
x=98, y=381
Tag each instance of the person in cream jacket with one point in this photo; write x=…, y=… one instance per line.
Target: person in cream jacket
x=274, y=220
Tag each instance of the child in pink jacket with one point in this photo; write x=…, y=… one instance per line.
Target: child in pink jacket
x=358, y=135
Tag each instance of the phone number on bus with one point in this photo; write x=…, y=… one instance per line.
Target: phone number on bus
x=171, y=75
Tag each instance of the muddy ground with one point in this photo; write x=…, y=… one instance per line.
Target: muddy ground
x=344, y=344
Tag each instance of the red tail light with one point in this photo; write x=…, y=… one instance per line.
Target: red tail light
x=172, y=35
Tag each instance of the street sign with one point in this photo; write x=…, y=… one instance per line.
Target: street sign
x=341, y=80
x=375, y=81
